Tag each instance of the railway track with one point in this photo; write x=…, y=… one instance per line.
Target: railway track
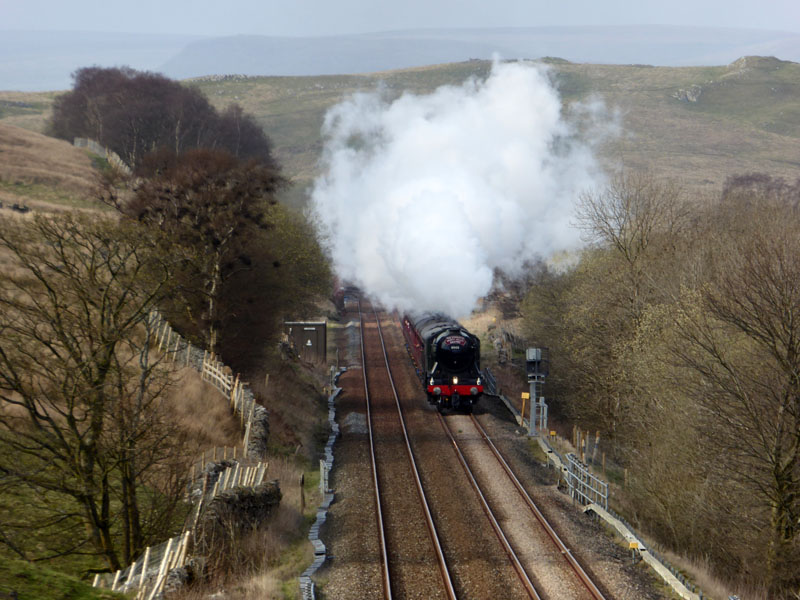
x=408, y=563
x=546, y=574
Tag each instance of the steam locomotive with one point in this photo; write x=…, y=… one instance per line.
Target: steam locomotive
x=447, y=358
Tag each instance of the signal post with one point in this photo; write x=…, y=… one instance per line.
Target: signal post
x=537, y=367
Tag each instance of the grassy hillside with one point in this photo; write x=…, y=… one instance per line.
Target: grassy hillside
x=42, y=172
x=29, y=582
x=697, y=124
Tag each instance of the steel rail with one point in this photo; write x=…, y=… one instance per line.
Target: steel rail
x=447, y=580
x=437, y=546
x=387, y=587
x=565, y=552
x=523, y=576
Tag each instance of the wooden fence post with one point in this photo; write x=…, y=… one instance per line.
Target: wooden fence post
x=161, y=570
x=246, y=439
x=144, y=566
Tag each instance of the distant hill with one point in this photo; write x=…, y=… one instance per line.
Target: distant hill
x=695, y=124
x=698, y=125
x=367, y=53
x=45, y=60
x=38, y=61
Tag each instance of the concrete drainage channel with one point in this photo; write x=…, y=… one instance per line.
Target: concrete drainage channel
x=326, y=464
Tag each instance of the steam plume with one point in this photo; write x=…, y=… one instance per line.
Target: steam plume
x=424, y=196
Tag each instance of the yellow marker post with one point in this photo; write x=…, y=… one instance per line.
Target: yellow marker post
x=525, y=396
x=634, y=546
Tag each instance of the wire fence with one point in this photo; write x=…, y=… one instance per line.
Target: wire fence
x=584, y=486
x=217, y=470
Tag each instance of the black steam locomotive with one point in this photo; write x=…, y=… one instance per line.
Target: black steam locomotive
x=447, y=358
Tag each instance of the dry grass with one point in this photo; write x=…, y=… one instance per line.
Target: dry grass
x=203, y=413
x=700, y=573
x=277, y=551
x=43, y=172
x=296, y=407
x=746, y=119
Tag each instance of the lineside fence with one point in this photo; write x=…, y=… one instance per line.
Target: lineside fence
x=593, y=493
x=583, y=485
x=252, y=416
x=218, y=470
x=111, y=156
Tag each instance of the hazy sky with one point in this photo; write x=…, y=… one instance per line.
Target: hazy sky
x=325, y=17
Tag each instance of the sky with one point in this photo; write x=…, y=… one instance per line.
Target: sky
x=326, y=17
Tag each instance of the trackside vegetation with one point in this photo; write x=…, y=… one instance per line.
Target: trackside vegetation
x=676, y=336
x=94, y=460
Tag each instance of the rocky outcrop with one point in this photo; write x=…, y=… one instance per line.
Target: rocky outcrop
x=691, y=95
x=769, y=63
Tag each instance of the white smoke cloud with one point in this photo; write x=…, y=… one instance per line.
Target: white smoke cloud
x=424, y=196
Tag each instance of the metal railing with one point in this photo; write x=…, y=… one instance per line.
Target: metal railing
x=583, y=485
x=489, y=382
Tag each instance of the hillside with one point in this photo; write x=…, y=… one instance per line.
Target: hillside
x=39, y=171
x=697, y=124
x=745, y=117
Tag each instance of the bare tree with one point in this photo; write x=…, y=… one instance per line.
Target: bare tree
x=640, y=218
x=745, y=347
x=80, y=418
x=636, y=224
